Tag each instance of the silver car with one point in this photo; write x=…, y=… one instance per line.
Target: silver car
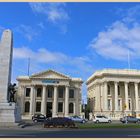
x=78, y=119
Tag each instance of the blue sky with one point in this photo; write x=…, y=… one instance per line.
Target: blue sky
x=72, y=38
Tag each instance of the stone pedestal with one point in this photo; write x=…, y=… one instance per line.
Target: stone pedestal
x=9, y=112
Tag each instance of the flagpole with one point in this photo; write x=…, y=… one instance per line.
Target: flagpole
x=28, y=66
x=128, y=59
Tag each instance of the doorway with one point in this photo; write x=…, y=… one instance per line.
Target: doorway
x=49, y=109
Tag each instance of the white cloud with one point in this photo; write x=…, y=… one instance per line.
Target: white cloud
x=55, y=12
x=27, y=31
x=57, y=60
x=1, y=28
x=122, y=36
x=41, y=55
x=41, y=25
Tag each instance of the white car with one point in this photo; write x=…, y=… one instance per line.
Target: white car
x=101, y=119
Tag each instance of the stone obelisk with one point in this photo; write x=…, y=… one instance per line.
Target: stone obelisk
x=8, y=111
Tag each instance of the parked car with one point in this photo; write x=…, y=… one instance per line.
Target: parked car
x=59, y=121
x=129, y=119
x=101, y=119
x=38, y=118
x=78, y=119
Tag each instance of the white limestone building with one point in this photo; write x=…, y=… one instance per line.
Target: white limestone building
x=114, y=92
x=49, y=93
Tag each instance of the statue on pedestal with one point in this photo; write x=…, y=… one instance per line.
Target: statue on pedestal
x=12, y=91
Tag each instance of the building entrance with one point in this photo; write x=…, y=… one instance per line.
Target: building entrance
x=49, y=109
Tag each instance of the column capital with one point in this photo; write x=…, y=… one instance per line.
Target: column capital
x=32, y=85
x=126, y=82
x=136, y=83
x=55, y=86
x=116, y=82
x=106, y=81
x=22, y=86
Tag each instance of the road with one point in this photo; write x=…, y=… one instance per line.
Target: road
x=32, y=130
x=70, y=133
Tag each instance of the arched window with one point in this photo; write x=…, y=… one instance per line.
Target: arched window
x=71, y=109
x=27, y=106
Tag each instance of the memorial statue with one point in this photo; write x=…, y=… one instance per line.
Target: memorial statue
x=12, y=91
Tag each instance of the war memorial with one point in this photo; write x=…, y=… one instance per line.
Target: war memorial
x=9, y=111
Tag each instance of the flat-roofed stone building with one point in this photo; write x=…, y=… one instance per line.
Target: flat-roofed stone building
x=49, y=93
x=114, y=92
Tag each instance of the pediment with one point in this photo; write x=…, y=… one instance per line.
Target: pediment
x=50, y=74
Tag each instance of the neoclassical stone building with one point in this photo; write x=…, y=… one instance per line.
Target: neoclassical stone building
x=49, y=93
x=114, y=92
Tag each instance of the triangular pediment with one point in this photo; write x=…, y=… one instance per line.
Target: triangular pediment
x=49, y=74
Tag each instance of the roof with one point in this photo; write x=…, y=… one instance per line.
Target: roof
x=47, y=71
x=49, y=74
x=99, y=73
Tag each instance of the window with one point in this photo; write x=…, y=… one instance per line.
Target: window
x=119, y=104
x=27, y=106
x=39, y=91
x=50, y=92
x=71, y=93
x=129, y=104
x=71, y=108
x=60, y=92
x=28, y=90
x=60, y=107
x=128, y=90
x=109, y=104
x=119, y=90
x=38, y=106
x=108, y=87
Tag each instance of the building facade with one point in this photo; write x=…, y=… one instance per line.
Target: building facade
x=49, y=93
x=114, y=93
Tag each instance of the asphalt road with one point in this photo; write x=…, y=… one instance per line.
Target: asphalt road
x=32, y=130
x=70, y=133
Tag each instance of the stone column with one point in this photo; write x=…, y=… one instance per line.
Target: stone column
x=22, y=100
x=6, y=52
x=67, y=101
x=55, y=106
x=136, y=97
x=43, y=102
x=105, y=96
x=32, y=107
x=116, y=96
x=74, y=109
x=126, y=96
